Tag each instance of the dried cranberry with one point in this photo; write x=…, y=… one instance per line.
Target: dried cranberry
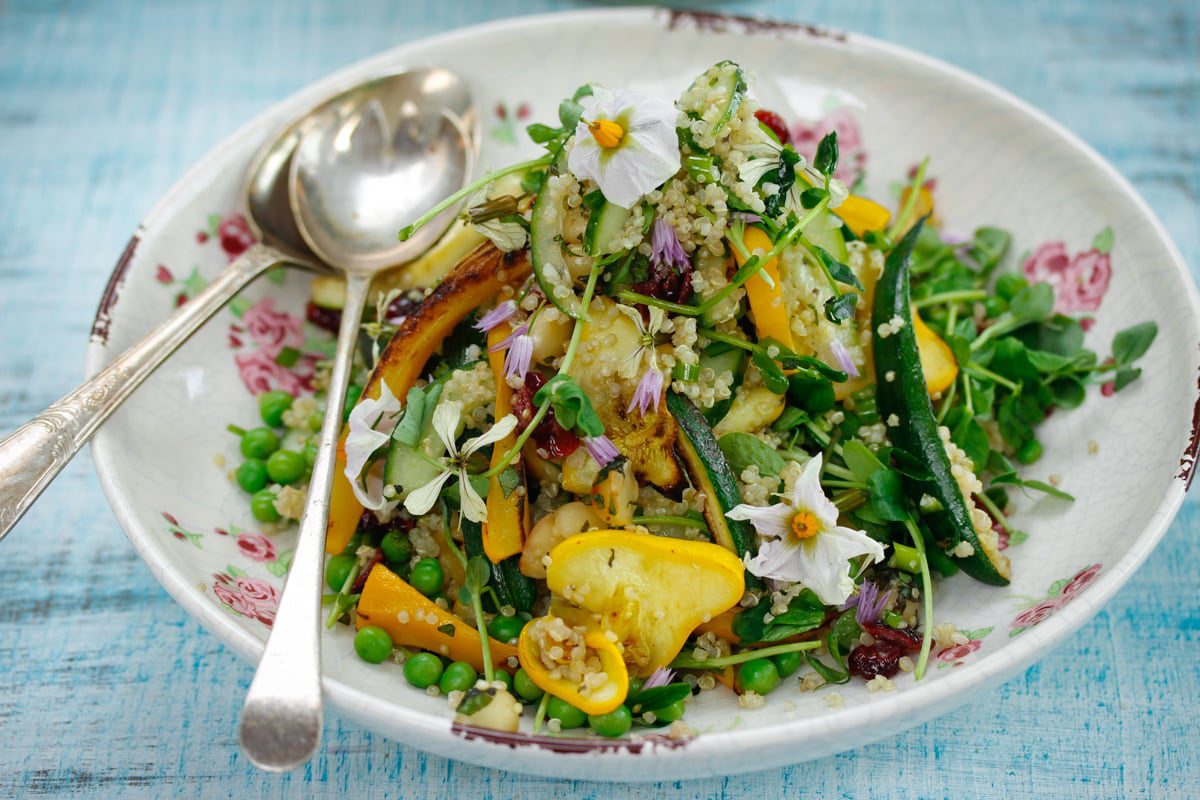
x=403, y=306
x=666, y=283
x=361, y=580
x=326, y=318
x=870, y=660
x=905, y=638
x=775, y=123
x=554, y=439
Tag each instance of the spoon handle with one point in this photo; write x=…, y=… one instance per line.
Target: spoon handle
x=33, y=454
x=280, y=727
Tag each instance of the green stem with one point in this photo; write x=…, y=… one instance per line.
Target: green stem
x=489, y=669
x=540, y=715
x=841, y=472
x=984, y=372
x=671, y=519
x=408, y=230
x=665, y=305
x=926, y=597
x=960, y=296
x=235, y=430
x=947, y=402
x=849, y=500
x=910, y=202
x=836, y=484
x=720, y=662
x=725, y=338
x=337, y=610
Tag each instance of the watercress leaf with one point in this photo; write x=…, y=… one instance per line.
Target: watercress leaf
x=961, y=348
x=1033, y=303
x=988, y=247
x=1048, y=488
x=909, y=465
x=408, y=429
x=743, y=450
x=772, y=374
x=826, y=160
x=572, y=407
x=805, y=609
x=791, y=417
x=845, y=630
x=999, y=464
x=540, y=134
x=583, y=91
x=658, y=697
x=1132, y=343
x=968, y=434
x=811, y=196
x=476, y=574
x=1048, y=363
x=984, y=397
x=860, y=460
x=1060, y=334
x=830, y=675
x=840, y=272
x=1010, y=358
x=1068, y=392
x=804, y=613
x=887, y=495
x=569, y=113
x=1126, y=376
x=841, y=308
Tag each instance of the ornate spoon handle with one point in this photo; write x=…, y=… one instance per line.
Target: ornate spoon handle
x=33, y=454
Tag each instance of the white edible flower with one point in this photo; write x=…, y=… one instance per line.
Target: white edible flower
x=497, y=219
x=367, y=423
x=445, y=423
x=626, y=142
x=804, y=542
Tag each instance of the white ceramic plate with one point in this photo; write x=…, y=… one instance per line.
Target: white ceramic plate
x=996, y=160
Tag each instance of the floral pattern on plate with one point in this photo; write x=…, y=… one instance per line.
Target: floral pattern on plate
x=1058, y=595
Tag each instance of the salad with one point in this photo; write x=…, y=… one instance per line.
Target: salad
x=671, y=410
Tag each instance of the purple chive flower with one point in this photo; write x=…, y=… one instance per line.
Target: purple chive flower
x=660, y=677
x=746, y=217
x=843, y=358
x=501, y=313
x=648, y=392
x=665, y=247
x=870, y=602
x=520, y=351
x=601, y=449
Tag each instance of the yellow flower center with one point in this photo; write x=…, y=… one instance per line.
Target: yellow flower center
x=805, y=526
x=608, y=134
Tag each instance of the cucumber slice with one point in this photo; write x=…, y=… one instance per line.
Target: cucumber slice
x=406, y=469
x=825, y=231
x=605, y=224
x=711, y=474
x=545, y=245
x=720, y=357
x=734, y=82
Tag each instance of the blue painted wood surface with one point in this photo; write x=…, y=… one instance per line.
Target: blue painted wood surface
x=108, y=689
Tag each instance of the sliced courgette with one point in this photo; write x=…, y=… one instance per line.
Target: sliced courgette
x=606, y=222
x=545, y=244
x=733, y=81
x=711, y=474
x=825, y=231
x=905, y=400
x=511, y=586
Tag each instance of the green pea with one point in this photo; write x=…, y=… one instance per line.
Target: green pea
x=396, y=547
x=259, y=443
x=568, y=716
x=504, y=628
x=286, y=466
x=1029, y=451
x=614, y=724
x=373, y=644
x=504, y=677
x=252, y=475
x=458, y=677
x=352, y=394
x=994, y=306
x=758, y=675
x=315, y=420
x=1009, y=284
x=668, y=714
x=272, y=404
x=787, y=663
x=427, y=577
x=310, y=454
x=525, y=688
x=262, y=506
x=423, y=670
x=337, y=570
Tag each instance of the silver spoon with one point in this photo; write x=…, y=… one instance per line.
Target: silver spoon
x=33, y=454
x=364, y=168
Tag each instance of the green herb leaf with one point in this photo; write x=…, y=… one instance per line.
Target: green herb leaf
x=569, y=112
x=1126, y=376
x=744, y=449
x=1033, y=303
x=1068, y=392
x=477, y=573
x=968, y=434
x=839, y=271
x=509, y=480
x=805, y=612
x=772, y=374
x=988, y=248
x=408, y=429
x=841, y=308
x=826, y=160
x=540, y=134
x=658, y=697
x=583, y=91
x=572, y=407
x=887, y=495
x=810, y=197
x=447, y=629
x=860, y=460
x=1132, y=343
x=1012, y=479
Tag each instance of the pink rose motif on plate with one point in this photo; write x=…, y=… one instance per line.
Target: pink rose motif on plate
x=249, y=597
x=1060, y=593
x=235, y=235
x=852, y=161
x=1082, y=579
x=1038, y=614
x=955, y=655
x=270, y=328
x=261, y=372
x=1079, y=282
x=256, y=547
